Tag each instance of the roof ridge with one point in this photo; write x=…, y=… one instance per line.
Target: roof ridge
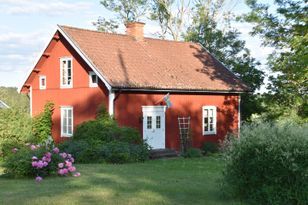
x=125, y=35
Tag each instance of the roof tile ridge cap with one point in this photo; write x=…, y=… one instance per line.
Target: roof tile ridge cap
x=171, y=41
x=84, y=53
x=94, y=31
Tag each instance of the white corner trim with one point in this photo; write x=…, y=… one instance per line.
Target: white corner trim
x=30, y=96
x=239, y=115
x=85, y=58
x=111, y=98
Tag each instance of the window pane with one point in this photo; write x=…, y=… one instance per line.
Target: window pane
x=211, y=113
x=64, y=122
x=206, y=120
x=206, y=127
x=69, y=64
x=158, y=122
x=205, y=113
x=211, y=119
x=211, y=127
x=94, y=78
x=149, y=122
x=43, y=81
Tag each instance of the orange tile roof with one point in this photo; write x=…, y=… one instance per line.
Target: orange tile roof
x=153, y=63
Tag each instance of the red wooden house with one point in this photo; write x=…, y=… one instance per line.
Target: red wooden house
x=131, y=74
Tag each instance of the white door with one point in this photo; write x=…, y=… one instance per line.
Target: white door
x=154, y=126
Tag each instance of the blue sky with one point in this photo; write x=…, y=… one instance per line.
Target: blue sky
x=26, y=26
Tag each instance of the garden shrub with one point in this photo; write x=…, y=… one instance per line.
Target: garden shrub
x=268, y=164
x=82, y=150
x=139, y=152
x=193, y=153
x=42, y=123
x=15, y=128
x=38, y=161
x=210, y=147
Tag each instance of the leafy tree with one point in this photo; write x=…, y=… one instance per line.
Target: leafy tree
x=13, y=99
x=226, y=46
x=125, y=10
x=285, y=29
x=171, y=20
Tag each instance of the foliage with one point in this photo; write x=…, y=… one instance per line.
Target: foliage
x=226, y=46
x=111, y=152
x=192, y=153
x=14, y=100
x=210, y=147
x=284, y=27
x=38, y=161
x=15, y=128
x=42, y=123
x=269, y=164
x=82, y=150
x=171, y=21
x=125, y=11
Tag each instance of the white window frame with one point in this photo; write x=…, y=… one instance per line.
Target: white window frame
x=214, y=132
x=91, y=84
x=62, y=109
x=42, y=87
x=61, y=72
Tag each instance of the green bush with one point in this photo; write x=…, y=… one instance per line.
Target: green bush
x=15, y=128
x=116, y=152
x=269, y=164
x=193, y=153
x=42, y=123
x=83, y=151
x=210, y=147
x=19, y=163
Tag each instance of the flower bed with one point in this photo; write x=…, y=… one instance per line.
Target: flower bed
x=39, y=161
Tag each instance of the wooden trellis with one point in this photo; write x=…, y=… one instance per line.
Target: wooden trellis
x=184, y=128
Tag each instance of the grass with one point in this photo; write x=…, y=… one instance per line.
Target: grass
x=173, y=181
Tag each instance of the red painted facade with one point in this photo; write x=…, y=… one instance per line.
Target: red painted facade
x=127, y=105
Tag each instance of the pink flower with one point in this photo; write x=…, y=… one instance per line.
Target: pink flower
x=72, y=159
x=65, y=171
x=34, y=158
x=77, y=174
x=72, y=169
x=33, y=147
x=38, y=179
x=45, y=164
x=60, y=165
x=68, y=163
x=60, y=171
x=14, y=150
x=48, y=155
x=63, y=155
x=56, y=150
x=44, y=159
x=69, y=155
x=34, y=164
x=40, y=164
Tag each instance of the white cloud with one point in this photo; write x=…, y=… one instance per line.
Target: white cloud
x=55, y=7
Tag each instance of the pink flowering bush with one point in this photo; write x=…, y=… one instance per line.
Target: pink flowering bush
x=39, y=162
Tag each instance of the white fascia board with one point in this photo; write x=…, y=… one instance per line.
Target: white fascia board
x=85, y=58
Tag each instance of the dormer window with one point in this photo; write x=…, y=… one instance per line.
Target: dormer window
x=66, y=72
x=93, y=79
x=42, y=80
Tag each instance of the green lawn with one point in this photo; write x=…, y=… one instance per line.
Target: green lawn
x=173, y=181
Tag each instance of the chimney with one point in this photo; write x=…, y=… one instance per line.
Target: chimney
x=135, y=30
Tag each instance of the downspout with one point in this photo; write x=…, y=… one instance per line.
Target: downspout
x=111, y=98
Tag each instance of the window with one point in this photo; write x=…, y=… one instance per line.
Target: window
x=149, y=122
x=42, y=82
x=157, y=122
x=93, y=80
x=66, y=121
x=209, y=120
x=66, y=72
